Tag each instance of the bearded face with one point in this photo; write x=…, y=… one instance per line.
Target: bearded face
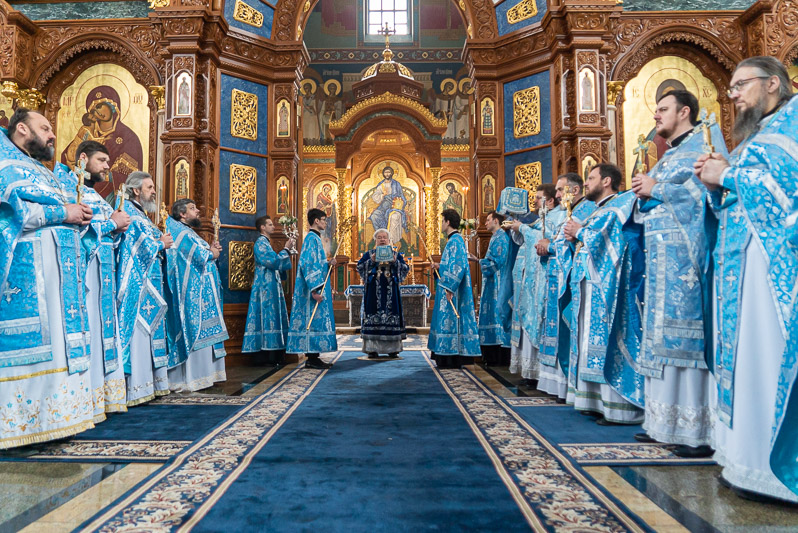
x=38, y=148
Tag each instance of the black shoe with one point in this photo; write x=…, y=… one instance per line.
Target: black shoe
x=374, y=355
x=393, y=355
x=693, y=452
x=643, y=437
x=560, y=401
x=528, y=383
x=594, y=414
x=317, y=364
x=604, y=422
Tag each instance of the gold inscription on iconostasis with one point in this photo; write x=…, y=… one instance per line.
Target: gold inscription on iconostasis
x=241, y=265
x=526, y=9
x=244, y=115
x=526, y=112
x=529, y=177
x=656, y=78
x=243, y=189
x=247, y=14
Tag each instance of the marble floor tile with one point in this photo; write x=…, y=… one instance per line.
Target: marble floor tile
x=82, y=507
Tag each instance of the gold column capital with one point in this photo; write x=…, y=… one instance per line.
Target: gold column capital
x=614, y=89
x=158, y=93
x=27, y=98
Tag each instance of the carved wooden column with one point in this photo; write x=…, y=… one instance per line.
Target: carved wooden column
x=191, y=80
x=580, y=119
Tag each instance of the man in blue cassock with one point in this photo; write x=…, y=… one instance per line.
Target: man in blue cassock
x=495, y=314
x=453, y=333
x=311, y=333
x=598, y=382
x=107, y=374
x=381, y=318
x=678, y=235
x=555, y=335
x=756, y=275
x=267, y=317
x=45, y=352
x=141, y=305
x=529, y=287
x=195, y=322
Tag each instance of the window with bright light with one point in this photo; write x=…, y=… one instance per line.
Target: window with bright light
x=393, y=12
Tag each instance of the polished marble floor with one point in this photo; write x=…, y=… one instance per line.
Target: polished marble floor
x=59, y=496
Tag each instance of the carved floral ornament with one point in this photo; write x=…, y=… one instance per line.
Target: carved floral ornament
x=526, y=112
x=247, y=14
x=244, y=115
x=243, y=189
x=241, y=265
x=529, y=177
x=614, y=90
x=387, y=98
x=525, y=9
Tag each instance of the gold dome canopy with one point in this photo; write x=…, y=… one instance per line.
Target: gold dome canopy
x=387, y=65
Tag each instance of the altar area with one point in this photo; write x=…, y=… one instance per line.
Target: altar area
x=415, y=300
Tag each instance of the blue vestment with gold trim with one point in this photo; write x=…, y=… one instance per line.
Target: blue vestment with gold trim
x=495, y=313
x=448, y=334
x=267, y=317
x=27, y=185
x=140, y=295
x=311, y=276
x=195, y=319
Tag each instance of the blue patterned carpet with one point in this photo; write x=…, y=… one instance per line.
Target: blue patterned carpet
x=371, y=446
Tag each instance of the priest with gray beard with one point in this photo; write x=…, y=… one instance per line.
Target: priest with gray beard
x=141, y=306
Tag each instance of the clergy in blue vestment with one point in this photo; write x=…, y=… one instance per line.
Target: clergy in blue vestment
x=311, y=288
x=756, y=275
x=45, y=350
x=141, y=305
x=595, y=280
x=495, y=313
x=107, y=374
x=453, y=333
x=529, y=289
x=267, y=318
x=195, y=323
x=672, y=206
x=555, y=333
x=382, y=321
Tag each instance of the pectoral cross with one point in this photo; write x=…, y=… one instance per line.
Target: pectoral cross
x=8, y=293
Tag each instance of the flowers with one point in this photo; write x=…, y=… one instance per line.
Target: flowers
x=287, y=220
x=468, y=223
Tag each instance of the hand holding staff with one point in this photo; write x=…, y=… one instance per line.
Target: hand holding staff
x=434, y=269
x=344, y=227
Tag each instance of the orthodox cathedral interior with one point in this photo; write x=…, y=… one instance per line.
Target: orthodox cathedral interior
x=253, y=107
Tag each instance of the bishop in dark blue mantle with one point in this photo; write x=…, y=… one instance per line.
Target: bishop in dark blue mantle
x=383, y=325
